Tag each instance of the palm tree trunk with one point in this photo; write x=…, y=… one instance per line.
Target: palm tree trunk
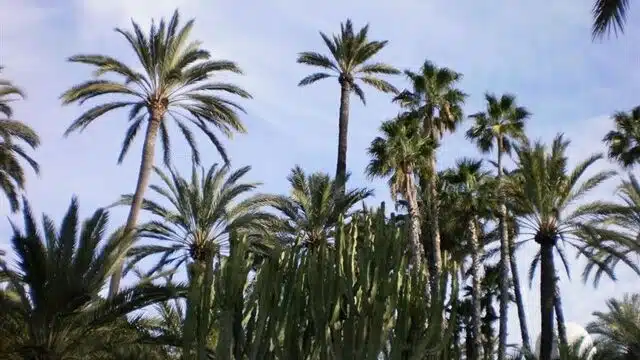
x=435, y=258
x=190, y=327
x=562, y=331
x=204, y=308
x=547, y=299
x=417, y=252
x=476, y=317
x=146, y=166
x=522, y=315
x=343, y=128
x=504, y=263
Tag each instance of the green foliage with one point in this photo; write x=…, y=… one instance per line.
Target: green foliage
x=198, y=213
x=12, y=134
x=624, y=141
x=312, y=210
x=52, y=308
x=398, y=152
x=434, y=99
x=353, y=300
x=608, y=16
x=619, y=328
x=176, y=82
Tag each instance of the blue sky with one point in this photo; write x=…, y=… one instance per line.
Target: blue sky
x=540, y=51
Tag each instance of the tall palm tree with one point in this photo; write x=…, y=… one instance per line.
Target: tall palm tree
x=397, y=154
x=176, y=82
x=194, y=228
x=313, y=209
x=473, y=185
x=12, y=178
x=609, y=15
x=435, y=100
x=624, y=141
x=350, y=60
x=499, y=126
x=543, y=194
x=53, y=309
x=619, y=327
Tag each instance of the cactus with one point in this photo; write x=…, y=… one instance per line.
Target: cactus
x=355, y=297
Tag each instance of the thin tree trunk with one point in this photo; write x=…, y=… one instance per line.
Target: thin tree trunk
x=476, y=317
x=547, y=299
x=504, y=263
x=562, y=331
x=435, y=259
x=343, y=128
x=144, y=173
x=190, y=328
x=204, y=308
x=417, y=253
x=522, y=315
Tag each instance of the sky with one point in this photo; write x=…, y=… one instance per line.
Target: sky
x=540, y=51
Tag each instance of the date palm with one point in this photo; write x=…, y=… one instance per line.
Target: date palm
x=12, y=134
x=473, y=188
x=499, y=127
x=314, y=207
x=544, y=195
x=194, y=228
x=624, y=140
x=350, y=60
x=176, y=83
x=608, y=16
x=624, y=216
x=53, y=309
x=397, y=155
x=434, y=99
x=619, y=327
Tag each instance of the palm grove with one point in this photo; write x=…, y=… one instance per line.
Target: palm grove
x=313, y=275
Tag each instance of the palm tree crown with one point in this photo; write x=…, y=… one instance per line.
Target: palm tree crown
x=314, y=208
x=12, y=176
x=624, y=141
x=200, y=214
x=503, y=121
x=619, y=328
x=398, y=152
x=608, y=16
x=350, y=55
x=53, y=308
x=434, y=98
x=176, y=83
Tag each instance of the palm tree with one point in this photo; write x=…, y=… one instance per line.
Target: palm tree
x=624, y=141
x=609, y=15
x=623, y=244
x=437, y=103
x=543, y=193
x=53, y=309
x=472, y=185
x=350, y=61
x=195, y=227
x=314, y=208
x=12, y=178
x=619, y=327
x=176, y=83
x=500, y=125
x=396, y=154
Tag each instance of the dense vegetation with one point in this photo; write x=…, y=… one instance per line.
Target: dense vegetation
x=312, y=274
